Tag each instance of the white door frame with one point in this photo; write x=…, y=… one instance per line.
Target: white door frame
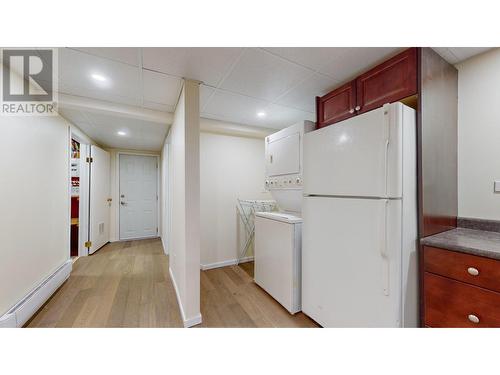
x=117, y=189
x=83, y=220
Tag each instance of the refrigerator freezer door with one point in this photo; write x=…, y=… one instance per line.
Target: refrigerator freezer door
x=361, y=156
x=351, y=261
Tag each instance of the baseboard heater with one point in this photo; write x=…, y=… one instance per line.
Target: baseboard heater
x=18, y=315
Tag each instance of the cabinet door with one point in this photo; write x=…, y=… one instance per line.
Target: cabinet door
x=389, y=82
x=337, y=105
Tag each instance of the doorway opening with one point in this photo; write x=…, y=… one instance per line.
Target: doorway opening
x=75, y=197
x=79, y=195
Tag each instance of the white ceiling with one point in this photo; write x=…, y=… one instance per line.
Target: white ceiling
x=237, y=83
x=455, y=55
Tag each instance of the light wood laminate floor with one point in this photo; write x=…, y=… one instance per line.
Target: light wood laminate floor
x=127, y=284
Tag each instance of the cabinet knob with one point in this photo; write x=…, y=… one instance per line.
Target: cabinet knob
x=473, y=318
x=351, y=110
x=357, y=108
x=473, y=271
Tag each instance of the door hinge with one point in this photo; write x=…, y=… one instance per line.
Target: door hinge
x=90, y=159
x=156, y=229
x=88, y=244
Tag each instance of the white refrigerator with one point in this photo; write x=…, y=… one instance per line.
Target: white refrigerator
x=359, y=261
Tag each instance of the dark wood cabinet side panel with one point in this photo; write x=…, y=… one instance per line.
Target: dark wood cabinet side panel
x=388, y=82
x=336, y=106
x=448, y=303
x=437, y=144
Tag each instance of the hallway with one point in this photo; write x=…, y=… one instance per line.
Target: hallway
x=124, y=284
x=127, y=284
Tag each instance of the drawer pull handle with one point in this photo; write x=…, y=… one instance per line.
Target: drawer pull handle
x=473, y=318
x=473, y=271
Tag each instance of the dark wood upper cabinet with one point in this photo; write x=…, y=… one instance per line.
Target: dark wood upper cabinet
x=337, y=105
x=388, y=82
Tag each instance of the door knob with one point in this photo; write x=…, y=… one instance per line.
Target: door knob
x=122, y=203
x=351, y=110
x=357, y=108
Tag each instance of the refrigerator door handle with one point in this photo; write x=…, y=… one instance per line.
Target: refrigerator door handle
x=383, y=248
x=387, y=136
x=386, y=160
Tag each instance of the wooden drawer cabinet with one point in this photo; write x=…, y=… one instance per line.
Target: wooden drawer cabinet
x=480, y=271
x=460, y=290
x=336, y=106
x=451, y=303
x=389, y=82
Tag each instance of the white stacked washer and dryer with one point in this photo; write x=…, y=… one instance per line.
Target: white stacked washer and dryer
x=278, y=235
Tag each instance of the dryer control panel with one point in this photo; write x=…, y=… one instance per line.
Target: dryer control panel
x=284, y=182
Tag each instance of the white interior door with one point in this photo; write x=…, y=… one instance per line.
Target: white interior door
x=138, y=196
x=99, y=198
x=351, y=261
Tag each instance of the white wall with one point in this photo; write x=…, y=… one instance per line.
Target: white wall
x=184, y=190
x=114, y=224
x=165, y=203
x=231, y=167
x=479, y=136
x=34, y=201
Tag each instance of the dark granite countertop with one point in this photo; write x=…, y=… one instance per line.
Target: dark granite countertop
x=470, y=241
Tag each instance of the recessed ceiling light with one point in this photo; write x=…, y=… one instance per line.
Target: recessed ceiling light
x=98, y=77
x=261, y=114
x=122, y=133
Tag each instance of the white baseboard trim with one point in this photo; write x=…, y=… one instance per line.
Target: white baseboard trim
x=18, y=315
x=187, y=322
x=165, y=249
x=225, y=263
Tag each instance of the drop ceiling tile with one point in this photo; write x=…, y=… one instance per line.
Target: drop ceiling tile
x=464, y=53
x=208, y=65
x=161, y=88
x=279, y=117
x=127, y=55
x=99, y=95
x=340, y=63
x=234, y=107
x=263, y=75
x=311, y=57
x=303, y=96
x=446, y=54
x=141, y=135
x=348, y=62
x=76, y=68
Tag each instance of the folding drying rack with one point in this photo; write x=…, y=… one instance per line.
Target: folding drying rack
x=246, y=210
